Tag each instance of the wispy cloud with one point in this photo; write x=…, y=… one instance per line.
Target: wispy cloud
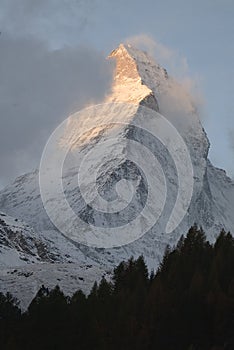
x=184, y=92
x=164, y=55
x=175, y=63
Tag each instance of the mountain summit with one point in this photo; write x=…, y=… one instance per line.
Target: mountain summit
x=132, y=79
x=111, y=143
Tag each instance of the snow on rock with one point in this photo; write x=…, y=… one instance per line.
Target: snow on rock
x=19, y=243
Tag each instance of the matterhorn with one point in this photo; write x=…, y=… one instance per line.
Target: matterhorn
x=123, y=178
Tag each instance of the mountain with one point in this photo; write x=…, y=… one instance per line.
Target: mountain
x=141, y=155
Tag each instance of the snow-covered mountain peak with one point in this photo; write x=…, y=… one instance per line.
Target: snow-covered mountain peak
x=132, y=82
x=136, y=64
x=111, y=147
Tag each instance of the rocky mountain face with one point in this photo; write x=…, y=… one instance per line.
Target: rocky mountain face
x=19, y=243
x=140, y=89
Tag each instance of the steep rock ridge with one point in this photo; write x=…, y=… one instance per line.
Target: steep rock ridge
x=138, y=81
x=172, y=99
x=128, y=84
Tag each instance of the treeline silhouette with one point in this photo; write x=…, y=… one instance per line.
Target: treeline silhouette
x=187, y=304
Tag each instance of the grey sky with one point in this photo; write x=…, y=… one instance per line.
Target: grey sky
x=38, y=89
x=40, y=86
x=231, y=139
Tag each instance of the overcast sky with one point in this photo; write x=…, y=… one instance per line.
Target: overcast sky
x=52, y=62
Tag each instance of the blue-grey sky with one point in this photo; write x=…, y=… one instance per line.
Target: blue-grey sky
x=40, y=85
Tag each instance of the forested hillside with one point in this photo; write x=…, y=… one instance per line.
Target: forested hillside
x=187, y=304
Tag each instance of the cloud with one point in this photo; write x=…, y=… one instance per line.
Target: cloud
x=163, y=54
x=38, y=89
x=177, y=66
x=183, y=93
x=59, y=22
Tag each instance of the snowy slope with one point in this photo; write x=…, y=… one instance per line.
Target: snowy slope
x=139, y=82
x=24, y=282
x=21, y=245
